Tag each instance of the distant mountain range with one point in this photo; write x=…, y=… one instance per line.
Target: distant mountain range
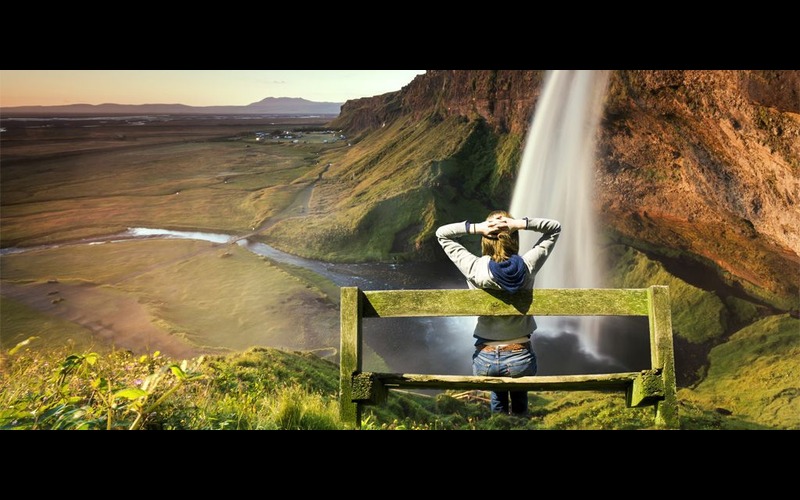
x=268, y=106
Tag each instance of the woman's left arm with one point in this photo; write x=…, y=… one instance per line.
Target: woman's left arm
x=551, y=230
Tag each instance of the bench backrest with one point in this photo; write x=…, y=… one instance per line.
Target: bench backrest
x=654, y=387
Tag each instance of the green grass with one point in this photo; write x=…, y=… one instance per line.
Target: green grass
x=697, y=315
x=756, y=374
x=253, y=390
x=274, y=389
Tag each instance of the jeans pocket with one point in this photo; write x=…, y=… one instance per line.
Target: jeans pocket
x=480, y=366
x=521, y=365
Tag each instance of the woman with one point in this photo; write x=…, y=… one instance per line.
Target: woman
x=502, y=343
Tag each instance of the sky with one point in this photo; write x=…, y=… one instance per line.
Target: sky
x=193, y=87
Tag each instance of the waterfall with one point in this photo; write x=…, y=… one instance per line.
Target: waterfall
x=556, y=181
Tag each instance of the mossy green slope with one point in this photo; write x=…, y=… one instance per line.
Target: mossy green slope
x=382, y=197
x=697, y=315
x=755, y=375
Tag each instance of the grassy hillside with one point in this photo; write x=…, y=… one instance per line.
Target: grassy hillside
x=755, y=374
x=382, y=197
x=269, y=389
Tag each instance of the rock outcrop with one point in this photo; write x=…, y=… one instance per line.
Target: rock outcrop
x=705, y=166
x=504, y=98
x=694, y=167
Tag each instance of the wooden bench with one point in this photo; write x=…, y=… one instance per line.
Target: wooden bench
x=654, y=387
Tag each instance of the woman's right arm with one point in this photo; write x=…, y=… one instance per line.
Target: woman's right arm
x=461, y=257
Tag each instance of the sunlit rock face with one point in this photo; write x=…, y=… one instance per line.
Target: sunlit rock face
x=698, y=167
x=705, y=165
x=504, y=98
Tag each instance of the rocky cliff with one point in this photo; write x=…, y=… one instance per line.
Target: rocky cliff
x=700, y=169
x=705, y=166
x=504, y=98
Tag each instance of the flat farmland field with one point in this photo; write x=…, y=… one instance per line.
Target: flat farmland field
x=65, y=186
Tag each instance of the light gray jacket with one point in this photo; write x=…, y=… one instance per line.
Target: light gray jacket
x=476, y=269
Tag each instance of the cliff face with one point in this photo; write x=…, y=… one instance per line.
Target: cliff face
x=504, y=98
x=705, y=165
x=695, y=167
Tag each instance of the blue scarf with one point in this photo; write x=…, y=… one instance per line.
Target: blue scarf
x=509, y=274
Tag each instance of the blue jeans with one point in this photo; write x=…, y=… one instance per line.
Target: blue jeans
x=496, y=363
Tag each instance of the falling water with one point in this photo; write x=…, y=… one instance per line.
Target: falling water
x=556, y=181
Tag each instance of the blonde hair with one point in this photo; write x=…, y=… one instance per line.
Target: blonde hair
x=502, y=246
